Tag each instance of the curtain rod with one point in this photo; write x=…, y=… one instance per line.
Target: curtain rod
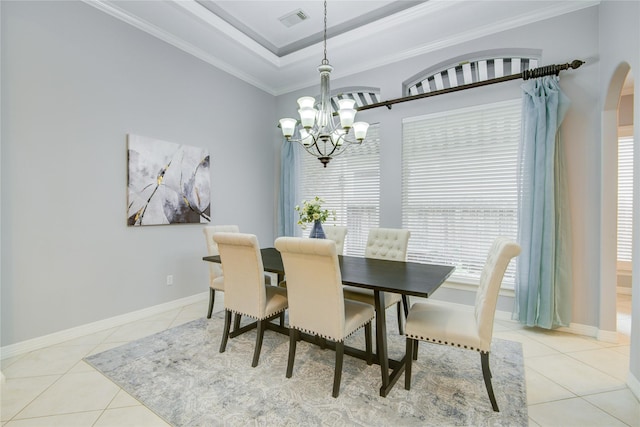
x=547, y=70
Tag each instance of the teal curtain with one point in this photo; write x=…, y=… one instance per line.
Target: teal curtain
x=543, y=273
x=287, y=216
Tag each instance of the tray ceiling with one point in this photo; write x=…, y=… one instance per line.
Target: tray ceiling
x=248, y=39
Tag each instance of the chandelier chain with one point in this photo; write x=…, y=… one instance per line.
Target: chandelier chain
x=325, y=60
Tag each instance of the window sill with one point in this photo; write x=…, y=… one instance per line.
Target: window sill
x=473, y=287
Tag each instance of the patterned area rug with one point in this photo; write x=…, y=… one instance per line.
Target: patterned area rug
x=181, y=376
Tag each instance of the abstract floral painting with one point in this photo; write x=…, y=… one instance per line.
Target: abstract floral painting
x=168, y=183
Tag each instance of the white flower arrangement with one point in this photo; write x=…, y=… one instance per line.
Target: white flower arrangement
x=312, y=211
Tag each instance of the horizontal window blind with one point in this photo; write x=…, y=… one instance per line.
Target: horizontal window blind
x=459, y=187
x=625, y=197
x=350, y=185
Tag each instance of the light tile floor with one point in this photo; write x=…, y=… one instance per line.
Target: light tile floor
x=571, y=380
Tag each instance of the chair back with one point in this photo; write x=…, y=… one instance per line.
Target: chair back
x=215, y=270
x=336, y=233
x=244, y=284
x=387, y=243
x=314, y=286
x=501, y=252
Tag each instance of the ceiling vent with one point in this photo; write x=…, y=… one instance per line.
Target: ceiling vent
x=293, y=18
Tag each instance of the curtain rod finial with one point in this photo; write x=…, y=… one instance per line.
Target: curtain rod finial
x=576, y=63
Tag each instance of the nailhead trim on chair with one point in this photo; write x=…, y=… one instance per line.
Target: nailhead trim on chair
x=433, y=340
x=258, y=318
x=331, y=338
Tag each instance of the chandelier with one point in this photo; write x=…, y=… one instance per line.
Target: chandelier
x=319, y=133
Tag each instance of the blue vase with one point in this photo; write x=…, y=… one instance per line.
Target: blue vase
x=317, y=232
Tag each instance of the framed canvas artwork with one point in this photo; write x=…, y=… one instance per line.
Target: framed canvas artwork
x=167, y=183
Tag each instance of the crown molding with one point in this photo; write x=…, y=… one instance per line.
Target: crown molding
x=116, y=12
x=205, y=15
x=463, y=37
x=469, y=35
x=352, y=37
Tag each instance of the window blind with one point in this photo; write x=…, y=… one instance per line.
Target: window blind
x=350, y=185
x=459, y=186
x=625, y=197
x=469, y=71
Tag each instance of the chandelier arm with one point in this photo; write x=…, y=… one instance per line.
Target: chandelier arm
x=334, y=147
x=315, y=145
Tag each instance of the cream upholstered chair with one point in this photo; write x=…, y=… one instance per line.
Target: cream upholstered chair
x=338, y=234
x=316, y=302
x=216, y=280
x=462, y=328
x=245, y=290
x=389, y=244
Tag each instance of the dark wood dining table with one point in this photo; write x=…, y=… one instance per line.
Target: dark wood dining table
x=406, y=278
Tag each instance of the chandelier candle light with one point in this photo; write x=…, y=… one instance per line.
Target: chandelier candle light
x=320, y=135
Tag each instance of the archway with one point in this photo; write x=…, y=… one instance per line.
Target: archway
x=608, y=226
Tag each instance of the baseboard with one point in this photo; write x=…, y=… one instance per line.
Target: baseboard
x=623, y=290
x=607, y=336
x=579, y=329
x=634, y=385
x=504, y=315
x=576, y=329
x=68, y=334
x=90, y=328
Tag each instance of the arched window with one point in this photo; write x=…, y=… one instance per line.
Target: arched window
x=362, y=95
x=469, y=69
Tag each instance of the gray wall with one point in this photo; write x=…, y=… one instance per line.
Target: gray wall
x=561, y=40
x=75, y=81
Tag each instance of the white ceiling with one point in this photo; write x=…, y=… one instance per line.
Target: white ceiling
x=246, y=38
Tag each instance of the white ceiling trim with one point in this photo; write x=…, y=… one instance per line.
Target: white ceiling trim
x=205, y=15
x=309, y=52
x=493, y=28
x=506, y=24
x=175, y=41
x=365, y=31
x=302, y=57
x=487, y=30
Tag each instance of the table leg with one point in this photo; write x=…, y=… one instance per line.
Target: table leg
x=381, y=340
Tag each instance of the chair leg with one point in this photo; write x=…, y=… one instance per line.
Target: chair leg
x=407, y=363
x=399, y=310
x=256, y=351
x=293, y=339
x=415, y=349
x=225, y=334
x=405, y=305
x=486, y=373
x=337, y=377
x=320, y=342
x=236, y=321
x=282, y=319
x=367, y=342
x=212, y=299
